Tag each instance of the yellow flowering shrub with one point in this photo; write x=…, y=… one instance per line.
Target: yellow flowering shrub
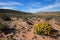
x=43, y=28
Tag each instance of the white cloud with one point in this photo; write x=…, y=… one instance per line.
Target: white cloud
x=57, y=1
x=7, y=7
x=49, y=7
x=45, y=8
x=9, y=3
x=34, y=4
x=56, y=4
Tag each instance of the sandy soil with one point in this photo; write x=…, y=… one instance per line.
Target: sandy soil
x=25, y=31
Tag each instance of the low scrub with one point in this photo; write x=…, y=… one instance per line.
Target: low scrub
x=2, y=26
x=44, y=28
x=5, y=17
x=49, y=17
x=57, y=19
x=6, y=30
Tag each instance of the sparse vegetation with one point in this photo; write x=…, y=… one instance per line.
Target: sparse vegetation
x=21, y=24
x=57, y=18
x=2, y=26
x=5, y=17
x=5, y=29
x=49, y=17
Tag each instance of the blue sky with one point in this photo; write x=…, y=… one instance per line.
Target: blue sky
x=33, y=6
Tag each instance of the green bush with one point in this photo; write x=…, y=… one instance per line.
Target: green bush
x=49, y=17
x=2, y=26
x=5, y=17
x=6, y=30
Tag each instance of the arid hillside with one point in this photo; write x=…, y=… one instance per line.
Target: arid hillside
x=24, y=30
x=57, y=13
x=21, y=26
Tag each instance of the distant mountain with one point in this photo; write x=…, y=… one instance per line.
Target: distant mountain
x=14, y=12
x=57, y=13
x=26, y=14
x=11, y=11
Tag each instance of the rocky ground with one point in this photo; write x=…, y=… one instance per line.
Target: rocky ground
x=24, y=30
